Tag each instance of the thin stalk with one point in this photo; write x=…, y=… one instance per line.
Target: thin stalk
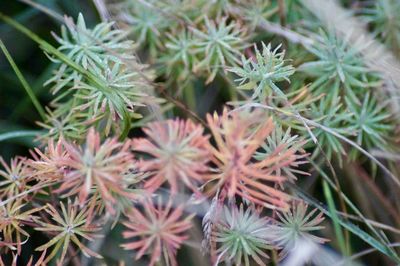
x=39, y=89
x=190, y=97
x=23, y=81
x=348, y=201
x=282, y=13
x=378, y=245
x=335, y=219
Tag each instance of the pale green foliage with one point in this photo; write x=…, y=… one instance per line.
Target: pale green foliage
x=296, y=226
x=59, y=125
x=179, y=58
x=119, y=90
x=384, y=18
x=218, y=45
x=262, y=73
x=257, y=11
x=216, y=8
x=338, y=68
x=90, y=48
x=69, y=225
x=331, y=115
x=110, y=91
x=281, y=141
x=147, y=23
x=370, y=122
x=241, y=236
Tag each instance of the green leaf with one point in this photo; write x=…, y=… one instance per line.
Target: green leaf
x=373, y=242
x=19, y=134
x=335, y=218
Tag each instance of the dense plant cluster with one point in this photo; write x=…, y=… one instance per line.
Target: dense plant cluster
x=134, y=146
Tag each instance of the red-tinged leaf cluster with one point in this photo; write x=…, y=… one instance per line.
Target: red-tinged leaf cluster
x=179, y=154
x=102, y=180
x=238, y=135
x=157, y=230
x=15, y=177
x=13, y=216
x=45, y=165
x=93, y=169
x=96, y=165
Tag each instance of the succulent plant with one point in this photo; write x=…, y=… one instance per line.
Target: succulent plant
x=338, y=69
x=89, y=48
x=241, y=236
x=218, y=45
x=161, y=231
x=260, y=74
x=180, y=154
x=296, y=226
x=382, y=15
x=371, y=123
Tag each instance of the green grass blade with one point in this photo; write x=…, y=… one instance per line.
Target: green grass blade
x=19, y=134
x=373, y=242
x=23, y=81
x=348, y=201
x=335, y=218
x=39, y=90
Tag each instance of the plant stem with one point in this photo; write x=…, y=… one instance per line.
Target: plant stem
x=23, y=81
x=282, y=13
x=334, y=217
